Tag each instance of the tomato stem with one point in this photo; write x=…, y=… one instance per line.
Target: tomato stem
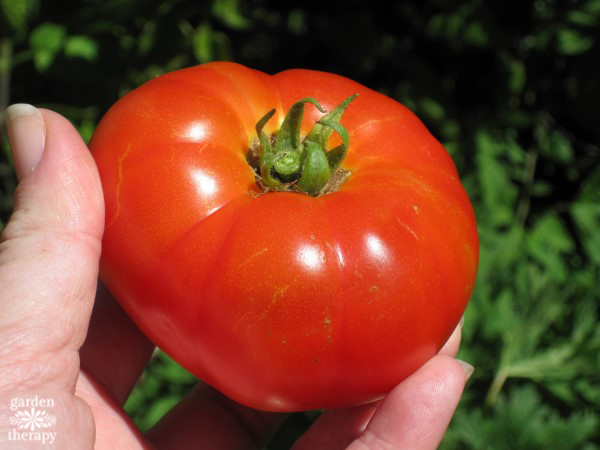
x=302, y=165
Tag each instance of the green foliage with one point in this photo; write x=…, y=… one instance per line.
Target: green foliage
x=511, y=89
x=81, y=47
x=14, y=15
x=161, y=387
x=45, y=42
x=521, y=421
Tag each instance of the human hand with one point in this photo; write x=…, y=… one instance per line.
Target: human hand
x=80, y=371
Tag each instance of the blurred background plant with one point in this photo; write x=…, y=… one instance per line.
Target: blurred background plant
x=510, y=87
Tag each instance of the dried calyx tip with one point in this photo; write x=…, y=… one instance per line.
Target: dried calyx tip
x=303, y=165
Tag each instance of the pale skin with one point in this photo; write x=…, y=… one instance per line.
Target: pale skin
x=63, y=340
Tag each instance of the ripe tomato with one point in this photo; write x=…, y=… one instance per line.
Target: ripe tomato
x=281, y=300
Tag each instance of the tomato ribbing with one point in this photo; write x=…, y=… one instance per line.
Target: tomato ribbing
x=283, y=301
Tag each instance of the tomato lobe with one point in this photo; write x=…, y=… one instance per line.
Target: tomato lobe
x=282, y=301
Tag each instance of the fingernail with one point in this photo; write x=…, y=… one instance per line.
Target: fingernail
x=27, y=135
x=468, y=368
x=461, y=321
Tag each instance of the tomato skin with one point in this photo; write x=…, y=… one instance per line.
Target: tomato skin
x=282, y=301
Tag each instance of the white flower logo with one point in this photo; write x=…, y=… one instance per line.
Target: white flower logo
x=30, y=420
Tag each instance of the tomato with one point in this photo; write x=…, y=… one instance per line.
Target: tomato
x=281, y=300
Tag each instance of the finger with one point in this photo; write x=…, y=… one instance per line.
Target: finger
x=49, y=251
x=113, y=428
x=337, y=428
x=27, y=135
x=451, y=346
x=208, y=419
x=417, y=412
x=414, y=415
x=115, y=351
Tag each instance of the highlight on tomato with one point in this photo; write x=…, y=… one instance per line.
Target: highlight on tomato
x=297, y=241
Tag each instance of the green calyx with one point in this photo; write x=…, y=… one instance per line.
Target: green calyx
x=302, y=165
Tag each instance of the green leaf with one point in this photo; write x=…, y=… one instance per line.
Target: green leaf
x=46, y=41
x=172, y=372
x=297, y=21
x=550, y=231
x=586, y=215
x=573, y=432
x=134, y=401
x=498, y=191
x=150, y=386
x=582, y=18
x=435, y=25
x=147, y=38
x=547, y=242
x=554, y=145
x=518, y=76
x=81, y=47
x=515, y=153
x=17, y=13
x=520, y=421
x=586, y=14
x=86, y=129
x=541, y=188
x=587, y=218
x=476, y=35
x=432, y=108
x=228, y=12
x=500, y=313
x=553, y=362
x=158, y=409
x=590, y=188
x=572, y=42
x=201, y=42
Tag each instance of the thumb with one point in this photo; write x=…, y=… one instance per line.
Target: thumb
x=49, y=251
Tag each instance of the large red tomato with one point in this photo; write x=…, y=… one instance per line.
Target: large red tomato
x=283, y=301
